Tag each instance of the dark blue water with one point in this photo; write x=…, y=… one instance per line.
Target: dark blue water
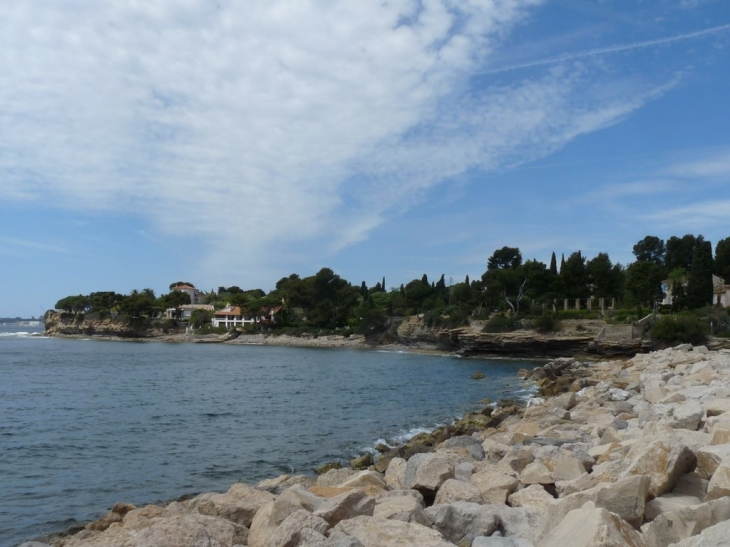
x=84, y=424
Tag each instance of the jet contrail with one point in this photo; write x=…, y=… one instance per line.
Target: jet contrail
x=609, y=49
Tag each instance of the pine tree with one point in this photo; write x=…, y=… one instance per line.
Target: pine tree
x=553, y=264
x=699, y=287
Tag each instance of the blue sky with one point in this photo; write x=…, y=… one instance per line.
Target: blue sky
x=229, y=142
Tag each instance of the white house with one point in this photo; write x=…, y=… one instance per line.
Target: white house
x=231, y=317
x=720, y=291
x=193, y=293
x=186, y=311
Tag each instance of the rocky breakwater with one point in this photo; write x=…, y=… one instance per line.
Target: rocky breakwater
x=633, y=453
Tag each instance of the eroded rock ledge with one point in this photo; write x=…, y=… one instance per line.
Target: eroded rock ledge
x=631, y=453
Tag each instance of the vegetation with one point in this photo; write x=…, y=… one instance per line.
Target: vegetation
x=511, y=289
x=669, y=330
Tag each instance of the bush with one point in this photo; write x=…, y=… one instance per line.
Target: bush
x=683, y=329
x=209, y=329
x=580, y=314
x=546, y=323
x=500, y=323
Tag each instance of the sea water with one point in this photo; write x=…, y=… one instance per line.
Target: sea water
x=87, y=423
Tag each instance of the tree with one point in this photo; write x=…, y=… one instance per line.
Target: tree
x=506, y=257
x=650, y=249
x=680, y=251
x=722, y=259
x=644, y=281
x=699, y=286
x=180, y=284
x=553, y=264
x=575, y=275
x=603, y=277
x=200, y=318
x=175, y=299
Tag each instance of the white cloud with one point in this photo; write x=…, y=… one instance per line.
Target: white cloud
x=261, y=126
x=698, y=215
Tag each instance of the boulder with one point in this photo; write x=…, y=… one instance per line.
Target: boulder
x=464, y=441
x=709, y=458
x=348, y=505
x=405, y=508
x=720, y=433
x=456, y=490
x=625, y=498
x=395, y=476
x=192, y=530
x=662, y=461
x=335, y=477
x=536, y=473
x=714, y=536
x=672, y=527
x=668, y=503
x=295, y=528
x=715, y=407
x=566, y=469
x=380, y=532
x=534, y=497
x=687, y=415
x=429, y=471
x=461, y=522
x=499, y=541
x=691, y=484
x=494, y=487
x=719, y=485
x=592, y=527
x=271, y=515
x=238, y=505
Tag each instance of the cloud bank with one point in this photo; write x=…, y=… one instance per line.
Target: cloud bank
x=260, y=127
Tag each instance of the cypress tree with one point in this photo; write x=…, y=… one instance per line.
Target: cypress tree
x=699, y=287
x=553, y=264
x=466, y=281
x=424, y=279
x=562, y=263
x=383, y=285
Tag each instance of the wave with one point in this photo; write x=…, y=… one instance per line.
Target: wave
x=22, y=334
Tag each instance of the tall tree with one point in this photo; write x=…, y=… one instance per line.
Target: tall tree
x=650, y=249
x=722, y=259
x=553, y=264
x=680, y=252
x=562, y=262
x=699, y=286
x=575, y=275
x=506, y=257
x=601, y=276
x=644, y=281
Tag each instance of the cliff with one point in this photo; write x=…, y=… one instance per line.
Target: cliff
x=93, y=324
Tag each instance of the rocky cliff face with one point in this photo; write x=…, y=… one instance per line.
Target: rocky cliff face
x=69, y=324
x=471, y=341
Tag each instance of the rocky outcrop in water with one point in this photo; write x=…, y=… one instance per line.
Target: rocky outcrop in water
x=94, y=324
x=628, y=453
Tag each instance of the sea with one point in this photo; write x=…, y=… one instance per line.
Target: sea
x=87, y=423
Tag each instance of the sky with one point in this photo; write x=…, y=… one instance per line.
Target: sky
x=220, y=142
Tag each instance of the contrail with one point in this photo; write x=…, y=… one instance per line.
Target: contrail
x=609, y=49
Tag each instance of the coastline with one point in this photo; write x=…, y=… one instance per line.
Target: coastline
x=628, y=449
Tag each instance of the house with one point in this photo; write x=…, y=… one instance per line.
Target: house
x=720, y=291
x=185, y=311
x=193, y=293
x=230, y=317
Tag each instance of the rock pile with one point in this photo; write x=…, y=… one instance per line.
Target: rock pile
x=634, y=453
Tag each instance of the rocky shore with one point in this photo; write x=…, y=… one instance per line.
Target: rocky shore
x=616, y=453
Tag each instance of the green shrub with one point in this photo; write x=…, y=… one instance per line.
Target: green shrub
x=580, y=314
x=682, y=329
x=546, y=323
x=500, y=323
x=209, y=329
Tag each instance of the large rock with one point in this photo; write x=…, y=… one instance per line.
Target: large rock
x=534, y=497
x=626, y=498
x=464, y=441
x=499, y=541
x=395, y=476
x=238, y=505
x=668, y=503
x=453, y=490
x=380, y=532
x=592, y=527
x=709, y=458
x=348, y=505
x=192, y=530
x=271, y=515
x=662, y=461
x=720, y=482
x=431, y=470
x=405, y=508
x=672, y=527
x=536, y=473
x=295, y=528
x=461, y=522
x=494, y=487
x=714, y=536
x=687, y=415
